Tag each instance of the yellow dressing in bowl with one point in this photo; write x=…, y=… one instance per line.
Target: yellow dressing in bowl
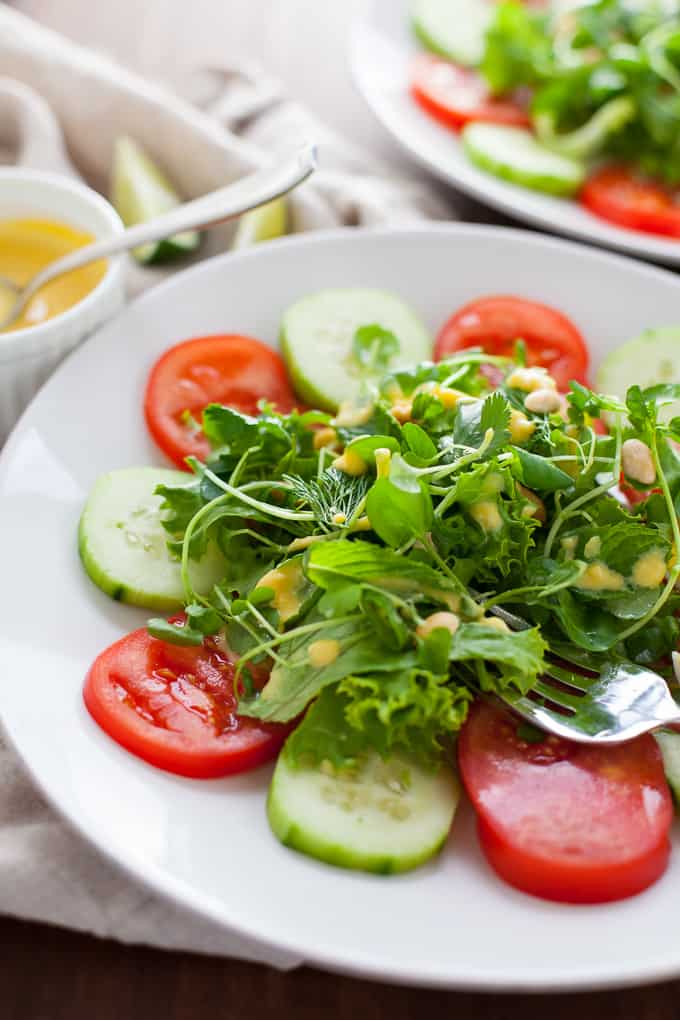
x=26, y=247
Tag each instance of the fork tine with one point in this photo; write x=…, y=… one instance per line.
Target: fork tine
x=567, y=676
x=556, y=696
x=576, y=656
x=554, y=722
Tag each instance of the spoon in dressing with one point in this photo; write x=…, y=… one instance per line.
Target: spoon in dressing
x=257, y=189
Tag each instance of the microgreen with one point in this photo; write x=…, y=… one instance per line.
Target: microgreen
x=437, y=503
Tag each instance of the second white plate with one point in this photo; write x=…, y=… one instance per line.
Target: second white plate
x=382, y=49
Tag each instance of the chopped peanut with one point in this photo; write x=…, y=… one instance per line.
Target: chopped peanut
x=529, y=379
x=637, y=462
x=543, y=401
x=495, y=623
x=446, y=394
x=449, y=621
x=402, y=410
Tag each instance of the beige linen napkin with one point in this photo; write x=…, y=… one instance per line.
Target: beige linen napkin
x=61, y=108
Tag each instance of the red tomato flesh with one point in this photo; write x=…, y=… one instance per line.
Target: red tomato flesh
x=175, y=708
x=616, y=194
x=561, y=820
x=457, y=96
x=495, y=323
x=224, y=369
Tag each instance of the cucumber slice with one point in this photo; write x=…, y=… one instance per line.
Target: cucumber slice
x=263, y=224
x=455, y=29
x=387, y=817
x=122, y=542
x=317, y=334
x=140, y=192
x=669, y=742
x=651, y=358
x=514, y=154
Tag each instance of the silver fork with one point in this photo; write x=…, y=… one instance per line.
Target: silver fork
x=616, y=704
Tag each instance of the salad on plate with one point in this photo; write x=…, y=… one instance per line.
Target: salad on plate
x=327, y=556
x=573, y=99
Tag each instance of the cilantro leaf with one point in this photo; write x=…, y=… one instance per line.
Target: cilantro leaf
x=475, y=420
x=373, y=348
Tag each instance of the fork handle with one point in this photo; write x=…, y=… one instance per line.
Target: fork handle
x=224, y=204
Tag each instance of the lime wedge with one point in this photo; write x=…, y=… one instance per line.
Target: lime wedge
x=262, y=224
x=140, y=192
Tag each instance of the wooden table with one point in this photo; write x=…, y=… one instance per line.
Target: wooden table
x=50, y=974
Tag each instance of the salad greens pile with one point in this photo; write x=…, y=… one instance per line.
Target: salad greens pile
x=364, y=553
x=605, y=77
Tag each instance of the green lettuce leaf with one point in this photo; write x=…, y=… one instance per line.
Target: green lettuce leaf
x=295, y=681
x=517, y=656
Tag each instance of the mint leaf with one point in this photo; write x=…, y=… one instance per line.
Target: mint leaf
x=331, y=563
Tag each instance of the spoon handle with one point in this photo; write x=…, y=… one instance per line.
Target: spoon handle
x=233, y=200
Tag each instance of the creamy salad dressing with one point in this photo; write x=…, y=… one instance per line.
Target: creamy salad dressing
x=29, y=245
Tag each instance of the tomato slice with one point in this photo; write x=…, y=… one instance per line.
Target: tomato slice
x=175, y=707
x=495, y=323
x=617, y=194
x=456, y=96
x=562, y=820
x=224, y=369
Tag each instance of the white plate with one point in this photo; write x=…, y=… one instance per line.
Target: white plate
x=206, y=844
x=382, y=49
